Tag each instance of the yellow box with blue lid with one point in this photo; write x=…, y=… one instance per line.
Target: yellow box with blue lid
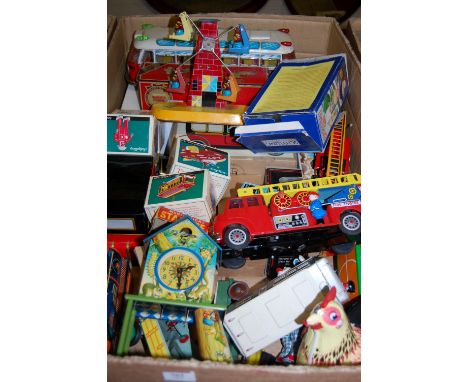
x=299, y=104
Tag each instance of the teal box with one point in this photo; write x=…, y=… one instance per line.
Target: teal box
x=131, y=134
x=189, y=156
x=189, y=193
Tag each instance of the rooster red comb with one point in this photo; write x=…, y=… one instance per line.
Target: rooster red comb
x=329, y=297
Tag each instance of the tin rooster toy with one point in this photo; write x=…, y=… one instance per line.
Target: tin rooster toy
x=330, y=339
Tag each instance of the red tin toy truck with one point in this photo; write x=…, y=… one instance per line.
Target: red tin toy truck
x=247, y=217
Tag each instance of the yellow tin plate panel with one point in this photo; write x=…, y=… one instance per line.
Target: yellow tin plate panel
x=293, y=88
x=228, y=115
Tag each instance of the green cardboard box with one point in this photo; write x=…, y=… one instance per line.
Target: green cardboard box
x=189, y=156
x=129, y=134
x=190, y=193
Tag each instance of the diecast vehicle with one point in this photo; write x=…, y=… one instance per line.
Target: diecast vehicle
x=248, y=217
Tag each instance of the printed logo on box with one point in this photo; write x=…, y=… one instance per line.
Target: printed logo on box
x=128, y=134
x=281, y=142
x=179, y=376
x=203, y=157
x=176, y=187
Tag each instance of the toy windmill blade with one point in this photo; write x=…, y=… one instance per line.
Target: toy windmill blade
x=183, y=29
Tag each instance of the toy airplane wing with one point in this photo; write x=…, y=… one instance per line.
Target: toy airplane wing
x=183, y=28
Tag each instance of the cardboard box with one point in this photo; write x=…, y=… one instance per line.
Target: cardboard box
x=130, y=134
x=300, y=103
x=190, y=193
x=312, y=36
x=189, y=156
x=352, y=30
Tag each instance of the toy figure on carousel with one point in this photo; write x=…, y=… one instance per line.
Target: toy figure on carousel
x=174, y=81
x=237, y=35
x=226, y=87
x=178, y=27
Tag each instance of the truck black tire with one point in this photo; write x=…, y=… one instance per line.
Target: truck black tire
x=236, y=236
x=350, y=223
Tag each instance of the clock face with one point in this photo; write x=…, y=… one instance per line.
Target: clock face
x=179, y=269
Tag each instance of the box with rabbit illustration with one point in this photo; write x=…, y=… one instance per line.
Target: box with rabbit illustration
x=129, y=134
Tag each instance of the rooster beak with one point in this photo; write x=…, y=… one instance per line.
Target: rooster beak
x=314, y=326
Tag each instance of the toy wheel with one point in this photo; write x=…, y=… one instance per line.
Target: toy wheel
x=238, y=290
x=342, y=249
x=282, y=201
x=350, y=223
x=236, y=236
x=303, y=198
x=233, y=263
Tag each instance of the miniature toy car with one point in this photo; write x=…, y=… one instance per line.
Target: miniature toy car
x=248, y=217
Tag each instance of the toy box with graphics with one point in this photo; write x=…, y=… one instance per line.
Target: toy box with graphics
x=190, y=193
x=131, y=134
x=180, y=263
x=303, y=96
x=191, y=156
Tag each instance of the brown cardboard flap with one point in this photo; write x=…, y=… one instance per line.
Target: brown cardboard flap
x=116, y=67
x=144, y=369
x=111, y=25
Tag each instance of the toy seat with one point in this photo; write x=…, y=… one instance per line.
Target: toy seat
x=234, y=90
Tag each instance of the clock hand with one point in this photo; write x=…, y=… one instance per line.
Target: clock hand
x=179, y=277
x=184, y=269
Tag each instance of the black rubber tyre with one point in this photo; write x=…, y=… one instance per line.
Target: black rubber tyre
x=233, y=263
x=236, y=236
x=350, y=223
x=342, y=249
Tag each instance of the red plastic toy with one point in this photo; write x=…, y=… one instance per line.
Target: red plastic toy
x=204, y=156
x=248, y=217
